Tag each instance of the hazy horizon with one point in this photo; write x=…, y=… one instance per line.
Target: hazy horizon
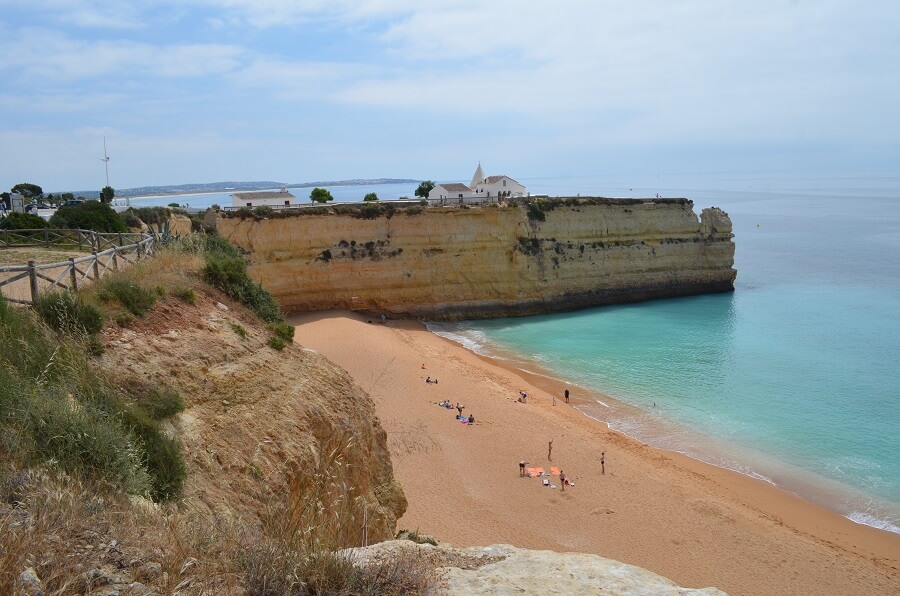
x=215, y=90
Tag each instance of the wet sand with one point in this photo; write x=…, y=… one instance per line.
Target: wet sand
x=694, y=523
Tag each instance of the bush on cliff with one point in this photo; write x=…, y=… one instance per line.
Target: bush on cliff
x=226, y=269
x=22, y=221
x=90, y=215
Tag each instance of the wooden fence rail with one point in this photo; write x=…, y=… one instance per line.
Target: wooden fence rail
x=124, y=249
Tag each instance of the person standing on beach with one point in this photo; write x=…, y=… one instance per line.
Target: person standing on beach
x=562, y=480
x=550, y=450
x=603, y=463
x=554, y=399
x=459, y=408
x=522, y=467
x=567, y=394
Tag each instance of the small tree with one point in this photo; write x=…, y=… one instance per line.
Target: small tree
x=424, y=189
x=370, y=197
x=28, y=190
x=107, y=194
x=320, y=195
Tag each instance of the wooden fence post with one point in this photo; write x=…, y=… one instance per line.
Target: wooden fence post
x=96, y=266
x=32, y=278
x=120, y=238
x=115, y=261
x=47, y=238
x=139, y=245
x=6, y=236
x=74, y=275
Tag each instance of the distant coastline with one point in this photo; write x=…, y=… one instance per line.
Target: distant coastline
x=229, y=186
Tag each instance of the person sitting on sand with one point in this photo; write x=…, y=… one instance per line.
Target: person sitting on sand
x=471, y=419
x=428, y=380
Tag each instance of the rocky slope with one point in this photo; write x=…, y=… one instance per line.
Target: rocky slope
x=257, y=417
x=490, y=261
x=505, y=569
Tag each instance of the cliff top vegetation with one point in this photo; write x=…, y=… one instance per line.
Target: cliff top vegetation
x=105, y=482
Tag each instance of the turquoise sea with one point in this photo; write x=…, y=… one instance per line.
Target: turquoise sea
x=794, y=378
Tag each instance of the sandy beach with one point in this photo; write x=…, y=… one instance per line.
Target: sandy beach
x=692, y=522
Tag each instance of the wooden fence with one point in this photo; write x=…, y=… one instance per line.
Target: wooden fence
x=123, y=249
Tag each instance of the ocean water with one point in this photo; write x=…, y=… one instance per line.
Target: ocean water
x=794, y=378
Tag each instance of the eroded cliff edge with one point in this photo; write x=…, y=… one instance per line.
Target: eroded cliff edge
x=490, y=261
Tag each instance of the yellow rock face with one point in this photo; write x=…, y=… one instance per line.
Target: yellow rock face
x=490, y=261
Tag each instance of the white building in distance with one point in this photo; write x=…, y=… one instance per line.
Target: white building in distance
x=480, y=190
x=263, y=198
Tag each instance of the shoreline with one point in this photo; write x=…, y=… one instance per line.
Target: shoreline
x=806, y=485
x=685, y=519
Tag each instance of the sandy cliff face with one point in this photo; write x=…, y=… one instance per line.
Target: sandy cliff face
x=490, y=261
x=256, y=417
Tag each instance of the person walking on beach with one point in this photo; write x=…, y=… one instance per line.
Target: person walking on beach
x=603, y=463
x=550, y=450
x=567, y=394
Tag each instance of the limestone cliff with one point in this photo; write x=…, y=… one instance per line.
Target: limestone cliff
x=489, y=261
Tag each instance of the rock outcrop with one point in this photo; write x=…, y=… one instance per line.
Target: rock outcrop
x=505, y=569
x=489, y=261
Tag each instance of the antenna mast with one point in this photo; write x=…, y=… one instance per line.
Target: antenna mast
x=105, y=160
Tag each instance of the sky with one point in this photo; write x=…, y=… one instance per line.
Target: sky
x=215, y=90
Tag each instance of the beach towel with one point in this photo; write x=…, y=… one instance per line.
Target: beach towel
x=532, y=472
x=554, y=470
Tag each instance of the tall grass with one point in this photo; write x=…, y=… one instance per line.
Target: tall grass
x=324, y=512
x=57, y=408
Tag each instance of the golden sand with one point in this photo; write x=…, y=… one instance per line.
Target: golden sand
x=694, y=523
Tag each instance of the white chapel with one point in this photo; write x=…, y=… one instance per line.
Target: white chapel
x=482, y=189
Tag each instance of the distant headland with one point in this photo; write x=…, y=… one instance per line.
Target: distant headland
x=211, y=187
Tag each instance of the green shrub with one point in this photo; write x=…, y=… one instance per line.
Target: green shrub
x=535, y=212
x=124, y=320
x=130, y=219
x=225, y=268
x=263, y=211
x=185, y=294
x=276, y=343
x=161, y=404
x=65, y=312
x=239, y=329
x=22, y=221
x=95, y=346
x=134, y=298
x=283, y=330
x=162, y=454
x=90, y=215
x=80, y=438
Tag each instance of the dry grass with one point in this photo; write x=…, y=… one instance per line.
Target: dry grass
x=79, y=537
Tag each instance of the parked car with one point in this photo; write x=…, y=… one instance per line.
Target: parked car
x=34, y=206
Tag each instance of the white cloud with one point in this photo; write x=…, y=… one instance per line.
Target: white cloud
x=58, y=57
